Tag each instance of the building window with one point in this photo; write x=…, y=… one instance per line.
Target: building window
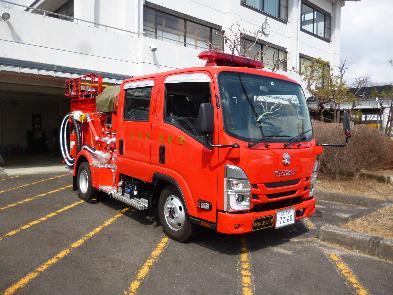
x=272, y=57
x=66, y=11
x=217, y=40
x=180, y=30
x=197, y=36
x=322, y=68
x=315, y=21
x=275, y=8
x=149, y=22
x=169, y=28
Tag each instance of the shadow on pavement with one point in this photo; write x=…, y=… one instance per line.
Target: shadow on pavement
x=225, y=244
x=230, y=244
x=139, y=216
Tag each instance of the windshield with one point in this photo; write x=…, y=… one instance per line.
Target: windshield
x=257, y=108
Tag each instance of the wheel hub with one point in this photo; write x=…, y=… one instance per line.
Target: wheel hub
x=174, y=212
x=83, y=181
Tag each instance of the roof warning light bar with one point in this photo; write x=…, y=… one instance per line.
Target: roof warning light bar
x=216, y=58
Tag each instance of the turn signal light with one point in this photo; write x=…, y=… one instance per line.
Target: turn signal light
x=205, y=205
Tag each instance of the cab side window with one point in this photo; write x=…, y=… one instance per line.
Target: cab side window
x=137, y=104
x=182, y=103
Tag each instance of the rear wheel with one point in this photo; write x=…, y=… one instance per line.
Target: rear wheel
x=173, y=215
x=85, y=187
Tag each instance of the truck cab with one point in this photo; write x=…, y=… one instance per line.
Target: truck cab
x=227, y=146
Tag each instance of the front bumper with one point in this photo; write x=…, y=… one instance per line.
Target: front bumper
x=239, y=223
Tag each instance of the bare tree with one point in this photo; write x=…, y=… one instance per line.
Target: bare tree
x=388, y=129
x=342, y=69
x=277, y=62
x=359, y=83
x=242, y=42
x=234, y=39
x=327, y=88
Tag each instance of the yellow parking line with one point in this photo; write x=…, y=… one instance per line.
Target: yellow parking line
x=39, y=220
x=347, y=274
x=309, y=224
x=245, y=268
x=33, y=198
x=146, y=267
x=44, y=266
x=32, y=183
x=8, y=178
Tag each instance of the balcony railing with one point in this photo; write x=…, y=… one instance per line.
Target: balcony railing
x=10, y=5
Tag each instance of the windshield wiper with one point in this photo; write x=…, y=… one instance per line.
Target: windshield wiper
x=296, y=137
x=254, y=143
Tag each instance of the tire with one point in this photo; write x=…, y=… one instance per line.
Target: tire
x=173, y=215
x=85, y=188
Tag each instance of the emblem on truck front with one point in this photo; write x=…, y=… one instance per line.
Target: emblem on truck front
x=286, y=159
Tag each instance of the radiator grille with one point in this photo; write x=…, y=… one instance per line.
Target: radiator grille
x=277, y=205
x=281, y=194
x=282, y=183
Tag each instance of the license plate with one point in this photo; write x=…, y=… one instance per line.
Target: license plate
x=285, y=217
x=263, y=222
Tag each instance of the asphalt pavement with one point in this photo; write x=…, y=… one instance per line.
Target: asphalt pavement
x=53, y=243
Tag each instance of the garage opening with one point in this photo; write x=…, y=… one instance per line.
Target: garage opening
x=31, y=109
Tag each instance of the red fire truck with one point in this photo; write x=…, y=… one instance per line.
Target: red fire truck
x=227, y=146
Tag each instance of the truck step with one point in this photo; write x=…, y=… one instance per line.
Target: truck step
x=137, y=203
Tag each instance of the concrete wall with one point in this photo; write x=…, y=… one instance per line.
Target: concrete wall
x=89, y=46
x=289, y=36
x=122, y=14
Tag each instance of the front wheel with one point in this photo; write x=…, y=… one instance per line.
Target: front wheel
x=85, y=187
x=173, y=215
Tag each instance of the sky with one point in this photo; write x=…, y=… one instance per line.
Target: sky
x=367, y=40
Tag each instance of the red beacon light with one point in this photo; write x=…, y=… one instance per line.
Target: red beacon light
x=216, y=58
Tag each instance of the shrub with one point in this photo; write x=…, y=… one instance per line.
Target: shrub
x=368, y=149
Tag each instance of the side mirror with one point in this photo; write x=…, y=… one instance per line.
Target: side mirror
x=346, y=125
x=205, y=120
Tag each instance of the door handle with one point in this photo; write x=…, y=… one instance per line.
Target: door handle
x=162, y=154
x=121, y=146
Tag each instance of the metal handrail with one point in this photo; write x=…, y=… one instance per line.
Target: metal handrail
x=68, y=18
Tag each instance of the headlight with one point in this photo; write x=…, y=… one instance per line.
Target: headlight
x=313, y=178
x=237, y=190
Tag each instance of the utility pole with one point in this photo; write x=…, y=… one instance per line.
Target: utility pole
x=389, y=123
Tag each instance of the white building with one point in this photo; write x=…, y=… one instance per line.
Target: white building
x=122, y=38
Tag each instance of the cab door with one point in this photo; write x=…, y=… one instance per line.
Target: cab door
x=134, y=130
x=180, y=149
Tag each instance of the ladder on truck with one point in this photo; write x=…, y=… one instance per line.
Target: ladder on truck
x=82, y=91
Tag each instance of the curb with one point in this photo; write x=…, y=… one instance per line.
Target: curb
x=348, y=199
x=365, y=243
x=35, y=170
